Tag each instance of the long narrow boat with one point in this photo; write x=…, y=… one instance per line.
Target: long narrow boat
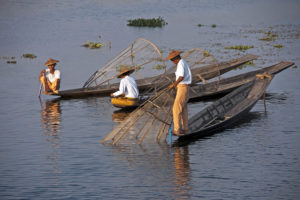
x=227, y=110
x=220, y=88
x=205, y=72
x=224, y=86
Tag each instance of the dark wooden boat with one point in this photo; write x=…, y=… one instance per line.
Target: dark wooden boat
x=144, y=85
x=217, y=89
x=227, y=110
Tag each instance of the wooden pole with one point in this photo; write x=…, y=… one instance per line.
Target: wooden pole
x=41, y=86
x=265, y=102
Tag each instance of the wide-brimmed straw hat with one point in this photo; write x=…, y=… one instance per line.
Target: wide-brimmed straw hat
x=126, y=71
x=173, y=54
x=51, y=61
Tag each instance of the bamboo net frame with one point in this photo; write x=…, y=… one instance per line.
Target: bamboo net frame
x=152, y=120
x=142, y=55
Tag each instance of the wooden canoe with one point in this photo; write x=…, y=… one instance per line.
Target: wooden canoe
x=227, y=110
x=206, y=72
x=224, y=86
x=220, y=88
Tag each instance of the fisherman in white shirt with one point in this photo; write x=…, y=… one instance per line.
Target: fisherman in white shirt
x=183, y=80
x=50, y=78
x=128, y=92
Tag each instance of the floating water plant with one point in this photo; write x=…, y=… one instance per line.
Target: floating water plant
x=154, y=22
x=278, y=46
x=92, y=45
x=249, y=63
x=11, y=62
x=269, y=36
x=159, y=67
x=8, y=57
x=125, y=66
x=267, y=39
x=29, y=55
x=213, y=25
x=240, y=47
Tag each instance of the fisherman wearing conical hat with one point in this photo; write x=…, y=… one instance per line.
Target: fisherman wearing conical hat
x=50, y=78
x=183, y=79
x=128, y=92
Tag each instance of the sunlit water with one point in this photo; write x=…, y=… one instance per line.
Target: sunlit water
x=50, y=149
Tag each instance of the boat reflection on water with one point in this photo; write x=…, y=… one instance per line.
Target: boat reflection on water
x=168, y=165
x=120, y=115
x=181, y=172
x=51, y=124
x=51, y=116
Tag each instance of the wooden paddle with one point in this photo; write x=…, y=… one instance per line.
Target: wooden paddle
x=41, y=86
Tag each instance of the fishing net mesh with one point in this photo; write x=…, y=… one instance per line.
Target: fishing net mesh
x=142, y=55
x=152, y=120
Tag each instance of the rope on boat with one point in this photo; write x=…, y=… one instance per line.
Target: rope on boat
x=263, y=76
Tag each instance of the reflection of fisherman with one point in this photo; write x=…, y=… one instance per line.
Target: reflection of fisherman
x=50, y=78
x=183, y=79
x=182, y=170
x=128, y=92
x=51, y=117
x=120, y=115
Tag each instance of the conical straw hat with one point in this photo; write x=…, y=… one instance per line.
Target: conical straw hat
x=125, y=71
x=173, y=54
x=50, y=61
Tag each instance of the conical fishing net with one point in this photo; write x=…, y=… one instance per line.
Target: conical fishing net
x=142, y=55
x=151, y=121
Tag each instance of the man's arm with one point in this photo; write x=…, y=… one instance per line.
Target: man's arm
x=173, y=85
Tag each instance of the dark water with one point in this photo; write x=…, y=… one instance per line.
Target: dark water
x=51, y=149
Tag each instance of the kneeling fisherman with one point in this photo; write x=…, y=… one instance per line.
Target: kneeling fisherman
x=128, y=92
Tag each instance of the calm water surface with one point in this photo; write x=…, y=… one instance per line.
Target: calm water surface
x=50, y=149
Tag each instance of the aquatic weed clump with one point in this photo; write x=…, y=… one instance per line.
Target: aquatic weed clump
x=92, y=45
x=240, y=47
x=10, y=59
x=249, y=63
x=159, y=67
x=141, y=22
x=269, y=36
x=11, y=62
x=279, y=46
x=213, y=25
x=29, y=55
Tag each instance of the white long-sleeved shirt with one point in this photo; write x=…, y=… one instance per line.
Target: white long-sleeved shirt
x=128, y=87
x=52, y=77
x=183, y=70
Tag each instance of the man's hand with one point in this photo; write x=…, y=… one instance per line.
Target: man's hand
x=42, y=73
x=171, y=86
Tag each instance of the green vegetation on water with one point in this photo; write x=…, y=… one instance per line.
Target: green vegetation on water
x=278, y=46
x=125, y=66
x=93, y=45
x=269, y=36
x=154, y=22
x=160, y=67
x=8, y=57
x=249, y=63
x=240, y=47
x=213, y=25
x=11, y=62
x=29, y=55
